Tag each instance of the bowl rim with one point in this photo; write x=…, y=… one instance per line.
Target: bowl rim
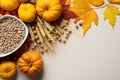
x=24, y=39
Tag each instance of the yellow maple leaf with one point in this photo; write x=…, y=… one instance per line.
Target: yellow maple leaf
x=110, y=13
x=96, y=2
x=85, y=13
x=114, y=1
x=80, y=4
x=80, y=7
x=88, y=17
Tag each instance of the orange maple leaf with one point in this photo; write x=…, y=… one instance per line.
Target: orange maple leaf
x=88, y=17
x=93, y=2
x=96, y=2
x=85, y=13
x=114, y=1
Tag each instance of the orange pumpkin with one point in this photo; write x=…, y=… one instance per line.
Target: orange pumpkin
x=7, y=70
x=49, y=10
x=26, y=12
x=30, y=63
x=9, y=5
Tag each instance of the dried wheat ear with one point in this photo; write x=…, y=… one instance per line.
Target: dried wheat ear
x=43, y=34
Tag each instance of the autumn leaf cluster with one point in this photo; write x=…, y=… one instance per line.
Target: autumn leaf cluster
x=84, y=10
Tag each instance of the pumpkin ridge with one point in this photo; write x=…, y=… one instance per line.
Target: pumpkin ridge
x=57, y=3
x=7, y=70
x=54, y=7
x=34, y=63
x=29, y=12
x=9, y=5
x=44, y=8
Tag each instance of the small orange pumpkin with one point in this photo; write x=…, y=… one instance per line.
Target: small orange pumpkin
x=9, y=5
x=30, y=63
x=49, y=10
x=7, y=70
x=26, y=12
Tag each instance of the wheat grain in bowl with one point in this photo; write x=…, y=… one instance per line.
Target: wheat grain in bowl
x=12, y=34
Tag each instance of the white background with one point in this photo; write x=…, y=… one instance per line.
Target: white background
x=96, y=56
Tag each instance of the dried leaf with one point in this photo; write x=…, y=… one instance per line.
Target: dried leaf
x=62, y=2
x=114, y=1
x=81, y=4
x=85, y=12
x=96, y=2
x=66, y=13
x=89, y=16
x=65, y=2
x=110, y=13
x=79, y=7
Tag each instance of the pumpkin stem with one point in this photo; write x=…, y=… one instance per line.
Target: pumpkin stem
x=30, y=64
x=7, y=70
x=47, y=9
